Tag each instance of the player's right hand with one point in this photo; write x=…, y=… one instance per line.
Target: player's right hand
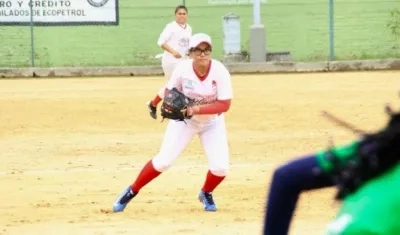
x=177, y=55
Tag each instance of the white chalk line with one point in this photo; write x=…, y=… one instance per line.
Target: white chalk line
x=84, y=170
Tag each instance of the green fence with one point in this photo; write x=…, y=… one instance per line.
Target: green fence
x=360, y=31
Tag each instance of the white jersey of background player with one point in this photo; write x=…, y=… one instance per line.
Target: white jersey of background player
x=209, y=82
x=174, y=40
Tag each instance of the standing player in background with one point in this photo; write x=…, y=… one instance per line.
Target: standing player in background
x=208, y=83
x=367, y=174
x=174, y=40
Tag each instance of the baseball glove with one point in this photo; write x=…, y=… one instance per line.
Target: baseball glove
x=175, y=105
x=376, y=154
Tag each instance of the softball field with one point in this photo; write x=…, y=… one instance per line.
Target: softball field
x=70, y=146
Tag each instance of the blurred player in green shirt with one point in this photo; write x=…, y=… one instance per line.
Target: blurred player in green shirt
x=366, y=173
x=373, y=209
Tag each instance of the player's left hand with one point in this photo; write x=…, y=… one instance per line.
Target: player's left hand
x=175, y=106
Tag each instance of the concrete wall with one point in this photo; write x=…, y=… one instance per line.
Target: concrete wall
x=234, y=68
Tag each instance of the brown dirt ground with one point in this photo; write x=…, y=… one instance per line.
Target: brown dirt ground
x=70, y=146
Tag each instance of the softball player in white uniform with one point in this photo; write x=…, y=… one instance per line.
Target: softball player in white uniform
x=174, y=40
x=209, y=83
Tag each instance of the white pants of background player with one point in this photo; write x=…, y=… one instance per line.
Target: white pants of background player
x=168, y=67
x=213, y=139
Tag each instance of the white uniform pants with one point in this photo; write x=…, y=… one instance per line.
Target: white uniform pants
x=168, y=67
x=213, y=138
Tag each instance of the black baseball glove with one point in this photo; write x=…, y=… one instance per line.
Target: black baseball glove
x=175, y=105
x=376, y=154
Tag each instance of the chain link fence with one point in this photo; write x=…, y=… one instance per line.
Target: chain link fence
x=124, y=33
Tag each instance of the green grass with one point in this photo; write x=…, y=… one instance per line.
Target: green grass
x=300, y=27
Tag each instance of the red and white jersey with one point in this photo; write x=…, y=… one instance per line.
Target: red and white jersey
x=215, y=85
x=177, y=37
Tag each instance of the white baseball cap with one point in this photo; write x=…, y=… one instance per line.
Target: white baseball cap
x=198, y=38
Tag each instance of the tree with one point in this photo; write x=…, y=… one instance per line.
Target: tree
x=394, y=23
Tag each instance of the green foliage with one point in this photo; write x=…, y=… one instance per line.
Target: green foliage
x=394, y=23
x=244, y=50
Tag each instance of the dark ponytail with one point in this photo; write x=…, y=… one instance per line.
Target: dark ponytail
x=181, y=7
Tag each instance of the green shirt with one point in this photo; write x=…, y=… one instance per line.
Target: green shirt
x=344, y=153
x=373, y=210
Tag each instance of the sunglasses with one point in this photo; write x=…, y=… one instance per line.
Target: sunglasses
x=198, y=51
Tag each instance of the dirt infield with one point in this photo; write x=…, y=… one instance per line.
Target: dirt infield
x=70, y=146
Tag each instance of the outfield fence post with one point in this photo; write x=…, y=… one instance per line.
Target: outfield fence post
x=331, y=32
x=257, y=37
x=31, y=25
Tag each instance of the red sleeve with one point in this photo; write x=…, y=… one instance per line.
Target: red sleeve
x=218, y=107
